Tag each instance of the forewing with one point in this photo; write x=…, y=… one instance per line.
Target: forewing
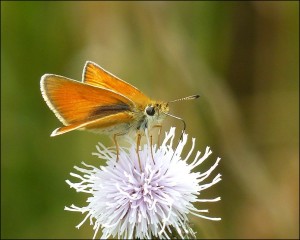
x=97, y=76
x=77, y=103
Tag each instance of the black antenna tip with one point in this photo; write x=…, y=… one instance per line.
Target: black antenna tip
x=192, y=97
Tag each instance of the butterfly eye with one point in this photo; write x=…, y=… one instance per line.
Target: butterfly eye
x=150, y=110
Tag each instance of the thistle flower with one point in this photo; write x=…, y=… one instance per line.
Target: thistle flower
x=148, y=202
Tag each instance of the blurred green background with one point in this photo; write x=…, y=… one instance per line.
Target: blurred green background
x=241, y=57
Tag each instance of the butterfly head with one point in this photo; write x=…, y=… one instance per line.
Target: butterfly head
x=156, y=111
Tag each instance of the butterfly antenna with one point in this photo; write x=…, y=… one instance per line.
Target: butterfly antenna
x=184, y=124
x=185, y=98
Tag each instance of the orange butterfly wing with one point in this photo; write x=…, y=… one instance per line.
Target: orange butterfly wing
x=101, y=123
x=97, y=76
x=76, y=104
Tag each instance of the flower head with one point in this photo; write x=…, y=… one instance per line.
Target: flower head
x=129, y=201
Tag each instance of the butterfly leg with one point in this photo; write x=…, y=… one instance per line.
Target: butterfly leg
x=138, y=142
x=116, y=143
x=151, y=149
x=159, y=132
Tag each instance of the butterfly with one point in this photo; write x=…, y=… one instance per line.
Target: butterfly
x=102, y=103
